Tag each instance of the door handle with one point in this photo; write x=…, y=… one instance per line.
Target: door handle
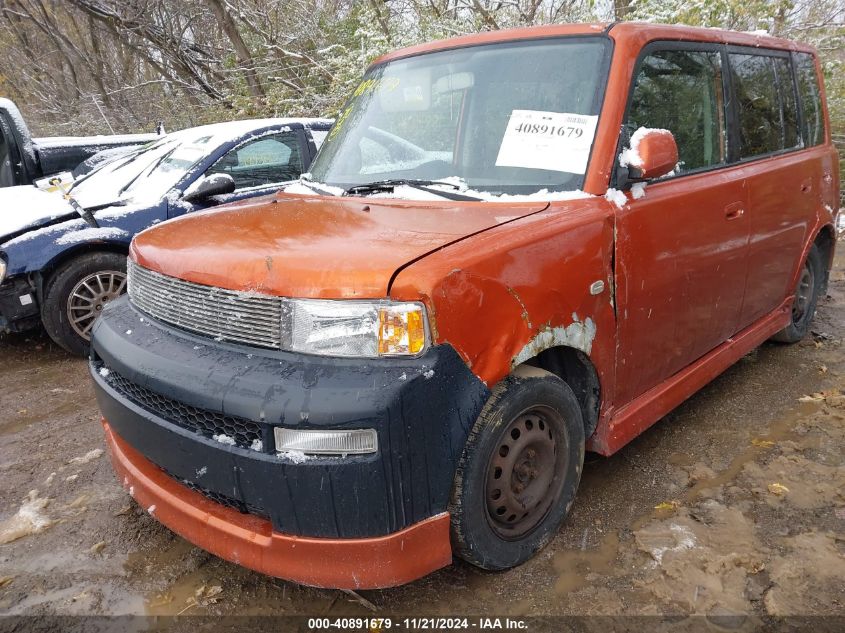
x=807, y=186
x=734, y=211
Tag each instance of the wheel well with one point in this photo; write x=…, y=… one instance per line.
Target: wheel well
x=576, y=370
x=824, y=242
x=81, y=249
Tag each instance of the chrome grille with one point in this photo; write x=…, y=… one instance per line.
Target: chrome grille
x=225, y=315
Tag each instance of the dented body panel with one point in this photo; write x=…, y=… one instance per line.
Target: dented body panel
x=308, y=246
x=498, y=308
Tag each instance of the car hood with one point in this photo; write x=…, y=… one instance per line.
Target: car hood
x=26, y=207
x=313, y=246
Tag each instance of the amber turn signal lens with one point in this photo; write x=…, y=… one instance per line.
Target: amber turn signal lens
x=401, y=330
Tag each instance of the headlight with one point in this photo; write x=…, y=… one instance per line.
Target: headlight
x=353, y=328
x=2, y=269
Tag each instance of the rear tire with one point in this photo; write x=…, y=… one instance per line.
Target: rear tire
x=76, y=293
x=519, y=471
x=806, y=297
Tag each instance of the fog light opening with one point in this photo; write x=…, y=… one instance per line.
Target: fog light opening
x=319, y=442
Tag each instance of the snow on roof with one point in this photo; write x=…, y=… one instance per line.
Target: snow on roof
x=318, y=122
x=213, y=129
x=246, y=125
x=49, y=142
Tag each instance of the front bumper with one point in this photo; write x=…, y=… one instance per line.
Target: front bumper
x=374, y=563
x=167, y=393
x=18, y=306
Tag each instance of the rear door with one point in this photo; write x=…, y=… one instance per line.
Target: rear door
x=681, y=247
x=784, y=183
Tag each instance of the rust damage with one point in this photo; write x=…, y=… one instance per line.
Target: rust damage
x=579, y=335
x=524, y=313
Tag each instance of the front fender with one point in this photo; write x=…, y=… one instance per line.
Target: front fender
x=41, y=249
x=502, y=297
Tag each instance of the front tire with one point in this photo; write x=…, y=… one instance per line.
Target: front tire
x=76, y=293
x=519, y=471
x=805, y=299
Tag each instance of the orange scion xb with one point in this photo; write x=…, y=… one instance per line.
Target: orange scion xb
x=513, y=247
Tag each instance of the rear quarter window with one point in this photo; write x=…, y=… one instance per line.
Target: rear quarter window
x=767, y=108
x=319, y=136
x=812, y=130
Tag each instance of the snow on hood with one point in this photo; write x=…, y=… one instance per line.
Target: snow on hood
x=27, y=207
x=307, y=187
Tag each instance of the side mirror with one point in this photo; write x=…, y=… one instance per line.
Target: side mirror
x=653, y=153
x=208, y=186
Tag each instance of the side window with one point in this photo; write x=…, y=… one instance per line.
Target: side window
x=681, y=91
x=768, y=120
x=319, y=137
x=808, y=89
x=263, y=161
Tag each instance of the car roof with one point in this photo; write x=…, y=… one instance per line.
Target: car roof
x=631, y=31
x=245, y=126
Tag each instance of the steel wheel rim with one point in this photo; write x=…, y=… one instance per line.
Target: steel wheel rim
x=803, y=294
x=89, y=296
x=525, y=474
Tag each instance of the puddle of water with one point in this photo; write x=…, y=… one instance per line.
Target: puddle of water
x=577, y=567
x=778, y=431
x=47, y=408
x=573, y=566
x=185, y=594
x=681, y=459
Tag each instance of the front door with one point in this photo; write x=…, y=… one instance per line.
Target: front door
x=259, y=166
x=681, y=247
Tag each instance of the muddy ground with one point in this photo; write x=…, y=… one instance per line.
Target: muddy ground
x=733, y=504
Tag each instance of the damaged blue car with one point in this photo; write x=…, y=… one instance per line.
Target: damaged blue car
x=62, y=258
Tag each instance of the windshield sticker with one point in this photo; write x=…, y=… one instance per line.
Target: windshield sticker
x=554, y=141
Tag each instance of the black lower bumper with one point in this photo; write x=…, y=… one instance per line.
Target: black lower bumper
x=168, y=393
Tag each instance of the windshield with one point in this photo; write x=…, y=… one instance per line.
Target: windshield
x=145, y=175
x=511, y=118
x=105, y=185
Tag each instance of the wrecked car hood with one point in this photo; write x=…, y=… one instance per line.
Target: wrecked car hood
x=312, y=246
x=26, y=207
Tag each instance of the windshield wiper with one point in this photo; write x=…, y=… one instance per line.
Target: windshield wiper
x=389, y=186
x=128, y=159
x=307, y=182
x=147, y=171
